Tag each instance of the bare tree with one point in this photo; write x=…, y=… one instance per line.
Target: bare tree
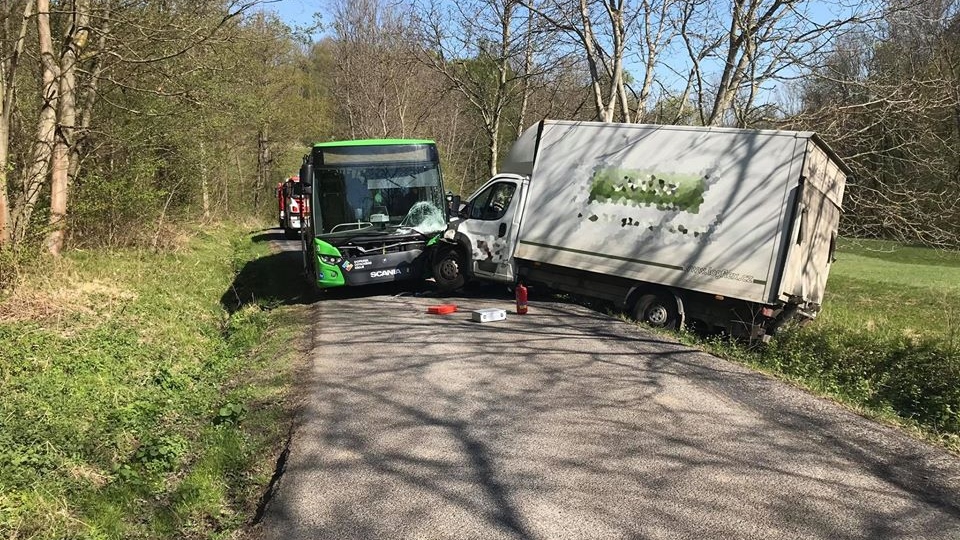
x=734, y=47
x=656, y=29
x=36, y=172
x=74, y=41
x=487, y=52
x=601, y=28
x=8, y=70
x=383, y=90
x=887, y=99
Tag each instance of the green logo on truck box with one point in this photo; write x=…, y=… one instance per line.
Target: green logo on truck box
x=665, y=191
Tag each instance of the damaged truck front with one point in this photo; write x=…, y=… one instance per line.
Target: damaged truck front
x=726, y=229
x=375, y=205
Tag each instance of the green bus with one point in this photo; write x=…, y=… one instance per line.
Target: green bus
x=374, y=205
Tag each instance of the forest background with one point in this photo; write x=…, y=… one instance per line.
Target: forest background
x=121, y=121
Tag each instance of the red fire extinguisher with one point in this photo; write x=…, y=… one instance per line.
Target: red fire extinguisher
x=521, y=294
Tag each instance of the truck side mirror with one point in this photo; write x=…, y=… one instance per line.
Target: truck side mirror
x=453, y=205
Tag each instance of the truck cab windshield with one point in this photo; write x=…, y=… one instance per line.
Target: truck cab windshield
x=378, y=197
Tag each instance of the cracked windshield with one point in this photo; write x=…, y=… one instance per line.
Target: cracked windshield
x=394, y=197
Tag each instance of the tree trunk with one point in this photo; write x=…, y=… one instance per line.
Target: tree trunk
x=501, y=97
x=39, y=166
x=525, y=83
x=239, y=180
x=494, y=141
x=73, y=42
x=204, y=187
x=8, y=71
x=747, y=29
x=655, y=20
x=81, y=135
x=618, y=90
x=604, y=113
x=263, y=165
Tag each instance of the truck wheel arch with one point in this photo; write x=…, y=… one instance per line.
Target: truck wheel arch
x=465, y=247
x=461, y=248
x=639, y=298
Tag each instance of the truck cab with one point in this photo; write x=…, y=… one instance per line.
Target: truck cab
x=480, y=244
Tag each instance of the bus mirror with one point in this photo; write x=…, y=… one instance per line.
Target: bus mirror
x=306, y=188
x=306, y=176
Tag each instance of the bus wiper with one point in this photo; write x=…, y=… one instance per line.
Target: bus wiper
x=368, y=232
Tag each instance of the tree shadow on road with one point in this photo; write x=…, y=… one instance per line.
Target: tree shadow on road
x=270, y=281
x=269, y=235
x=637, y=436
x=278, y=280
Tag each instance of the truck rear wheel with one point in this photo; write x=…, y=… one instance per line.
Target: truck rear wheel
x=448, y=270
x=657, y=310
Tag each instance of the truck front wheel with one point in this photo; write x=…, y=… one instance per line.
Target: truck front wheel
x=448, y=270
x=657, y=310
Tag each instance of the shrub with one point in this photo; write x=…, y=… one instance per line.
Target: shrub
x=918, y=378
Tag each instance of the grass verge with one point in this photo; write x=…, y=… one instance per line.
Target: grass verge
x=144, y=393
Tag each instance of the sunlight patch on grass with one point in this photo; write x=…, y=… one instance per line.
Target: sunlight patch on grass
x=908, y=274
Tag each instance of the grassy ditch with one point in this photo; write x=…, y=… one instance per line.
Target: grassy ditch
x=887, y=341
x=143, y=393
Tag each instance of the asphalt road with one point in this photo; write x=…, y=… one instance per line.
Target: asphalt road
x=565, y=423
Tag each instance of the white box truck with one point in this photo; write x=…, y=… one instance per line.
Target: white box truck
x=727, y=229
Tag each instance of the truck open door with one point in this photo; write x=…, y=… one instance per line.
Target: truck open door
x=493, y=226
x=814, y=230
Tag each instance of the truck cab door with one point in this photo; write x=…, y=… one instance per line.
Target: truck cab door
x=492, y=225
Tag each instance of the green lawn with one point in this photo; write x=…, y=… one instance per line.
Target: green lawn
x=887, y=289
x=144, y=393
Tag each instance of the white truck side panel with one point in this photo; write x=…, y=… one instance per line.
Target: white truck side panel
x=695, y=208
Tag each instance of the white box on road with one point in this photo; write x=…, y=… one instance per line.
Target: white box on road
x=489, y=315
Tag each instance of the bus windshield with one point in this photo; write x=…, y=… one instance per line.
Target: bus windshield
x=398, y=196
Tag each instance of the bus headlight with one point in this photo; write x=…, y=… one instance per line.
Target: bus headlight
x=330, y=259
x=450, y=234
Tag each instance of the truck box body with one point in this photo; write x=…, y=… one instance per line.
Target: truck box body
x=607, y=209
x=707, y=209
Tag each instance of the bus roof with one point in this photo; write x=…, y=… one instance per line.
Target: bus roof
x=372, y=142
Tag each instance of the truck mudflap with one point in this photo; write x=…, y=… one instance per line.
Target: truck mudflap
x=787, y=314
x=383, y=268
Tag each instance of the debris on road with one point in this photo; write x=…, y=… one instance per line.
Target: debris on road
x=442, y=309
x=489, y=315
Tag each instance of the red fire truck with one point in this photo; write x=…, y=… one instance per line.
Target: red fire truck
x=294, y=207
